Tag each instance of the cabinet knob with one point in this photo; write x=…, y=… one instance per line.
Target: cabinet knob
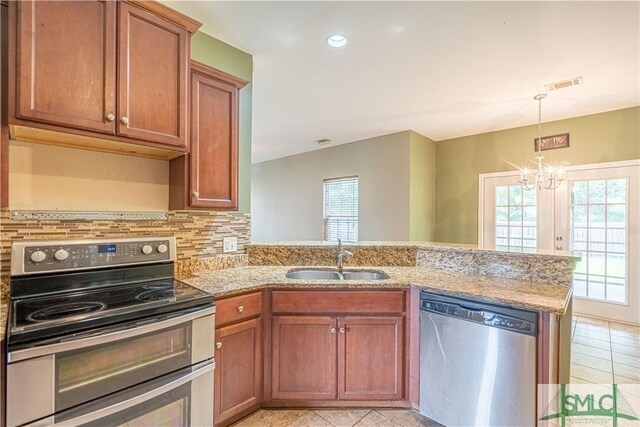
x=110, y=117
x=240, y=308
x=558, y=248
x=124, y=119
x=219, y=344
x=342, y=330
x=196, y=194
x=333, y=330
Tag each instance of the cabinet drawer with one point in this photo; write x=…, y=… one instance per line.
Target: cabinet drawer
x=338, y=301
x=242, y=307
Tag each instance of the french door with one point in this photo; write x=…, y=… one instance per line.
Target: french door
x=594, y=214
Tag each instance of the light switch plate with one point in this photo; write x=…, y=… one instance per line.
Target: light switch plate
x=229, y=244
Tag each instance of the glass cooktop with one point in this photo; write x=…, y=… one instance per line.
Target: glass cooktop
x=49, y=316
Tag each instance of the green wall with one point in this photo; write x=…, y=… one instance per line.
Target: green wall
x=219, y=55
x=422, y=188
x=596, y=138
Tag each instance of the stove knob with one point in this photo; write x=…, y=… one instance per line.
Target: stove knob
x=162, y=248
x=147, y=249
x=38, y=256
x=61, y=255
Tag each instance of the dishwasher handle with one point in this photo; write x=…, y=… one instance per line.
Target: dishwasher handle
x=520, y=321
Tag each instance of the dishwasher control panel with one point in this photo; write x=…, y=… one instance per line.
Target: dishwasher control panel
x=487, y=314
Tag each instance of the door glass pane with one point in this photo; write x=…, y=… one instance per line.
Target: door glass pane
x=598, y=221
x=516, y=219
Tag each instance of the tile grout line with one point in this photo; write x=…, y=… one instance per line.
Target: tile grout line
x=300, y=416
x=359, y=419
x=613, y=372
x=595, y=369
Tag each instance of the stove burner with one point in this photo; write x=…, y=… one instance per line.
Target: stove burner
x=157, y=294
x=65, y=310
x=159, y=286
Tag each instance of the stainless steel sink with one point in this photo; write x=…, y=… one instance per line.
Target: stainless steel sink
x=364, y=275
x=312, y=274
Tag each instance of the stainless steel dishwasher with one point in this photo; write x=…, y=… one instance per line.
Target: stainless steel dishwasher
x=477, y=363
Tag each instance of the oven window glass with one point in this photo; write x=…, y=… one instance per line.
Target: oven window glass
x=170, y=409
x=85, y=374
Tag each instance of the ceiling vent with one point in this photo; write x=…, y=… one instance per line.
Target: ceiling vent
x=566, y=83
x=323, y=141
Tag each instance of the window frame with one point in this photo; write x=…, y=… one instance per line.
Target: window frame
x=326, y=218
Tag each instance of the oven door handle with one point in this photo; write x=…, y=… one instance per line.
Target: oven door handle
x=59, y=347
x=128, y=403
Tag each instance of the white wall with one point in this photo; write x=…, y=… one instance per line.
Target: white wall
x=286, y=193
x=49, y=177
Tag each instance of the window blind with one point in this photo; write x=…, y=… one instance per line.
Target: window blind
x=341, y=209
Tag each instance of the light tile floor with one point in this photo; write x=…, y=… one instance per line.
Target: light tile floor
x=604, y=352
x=601, y=353
x=336, y=418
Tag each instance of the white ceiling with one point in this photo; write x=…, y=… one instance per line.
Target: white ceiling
x=443, y=69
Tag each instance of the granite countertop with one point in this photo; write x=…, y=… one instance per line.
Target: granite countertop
x=535, y=296
x=409, y=244
x=4, y=308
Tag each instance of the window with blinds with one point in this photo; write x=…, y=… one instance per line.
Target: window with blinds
x=341, y=209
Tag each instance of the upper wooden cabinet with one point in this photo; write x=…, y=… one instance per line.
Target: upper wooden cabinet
x=208, y=178
x=119, y=73
x=152, y=77
x=66, y=74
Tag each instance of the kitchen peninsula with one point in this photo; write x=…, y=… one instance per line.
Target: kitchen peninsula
x=317, y=342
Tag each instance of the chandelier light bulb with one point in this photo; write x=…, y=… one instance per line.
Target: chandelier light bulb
x=542, y=180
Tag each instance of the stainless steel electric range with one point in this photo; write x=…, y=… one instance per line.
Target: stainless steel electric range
x=100, y=333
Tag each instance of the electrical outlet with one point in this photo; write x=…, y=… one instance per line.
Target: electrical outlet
x=229, y=244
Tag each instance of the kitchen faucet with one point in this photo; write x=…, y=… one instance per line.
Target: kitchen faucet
x=342, y=253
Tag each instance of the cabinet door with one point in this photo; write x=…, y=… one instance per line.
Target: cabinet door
x=66, y=63
x=238, y=374
x=214, y=143
x=370, y=358
x=303, y=365
x=152, y=77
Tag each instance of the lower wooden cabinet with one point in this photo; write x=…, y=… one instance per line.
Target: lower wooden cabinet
x=371, y=358
x=303, y=364
x=297, y=348
x=238, y=374
x=344, y=358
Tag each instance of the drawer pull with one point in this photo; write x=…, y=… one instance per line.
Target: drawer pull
x=240, y=308
x=219, y=344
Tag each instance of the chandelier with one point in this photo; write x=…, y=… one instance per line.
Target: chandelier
x=548, y=178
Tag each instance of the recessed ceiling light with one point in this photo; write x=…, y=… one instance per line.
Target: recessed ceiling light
x=336, y=40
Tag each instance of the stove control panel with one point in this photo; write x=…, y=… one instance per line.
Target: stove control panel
x=50, y=256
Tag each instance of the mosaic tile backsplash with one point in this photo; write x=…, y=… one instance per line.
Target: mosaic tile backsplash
x=198, y=236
